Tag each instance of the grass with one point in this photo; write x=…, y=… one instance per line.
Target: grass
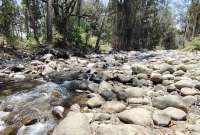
x=194, y=44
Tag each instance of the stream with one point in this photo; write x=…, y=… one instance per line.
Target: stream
x=32, y=102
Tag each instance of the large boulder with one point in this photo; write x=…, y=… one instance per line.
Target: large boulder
x=74, y=124
x=163, y=102
x=138, y=116
x=187, y=83
x=124, y=129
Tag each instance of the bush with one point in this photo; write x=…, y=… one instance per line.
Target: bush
x=195, y=43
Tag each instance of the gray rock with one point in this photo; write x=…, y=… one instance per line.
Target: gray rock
x=171, y=88
x=189, y=92
x=167, y=67
x=184, y=84
x=168, y=77
x=197, y=86
x=122, y=95
x=179, y=73
x=75, y=108
x=136, y=92
x=167, y=82
x=19, y=77
x=142, y=76
x=96, y=101
x=97, y=116
x=161, y=119
x=194, y=128
x=105, y=86
x=143, y=101
x=138, y=116
x=58, y=111
x=175, y=114
x=124, y=129
x=156, y=78
x=74, y=124
x=47, y=57
x=47, y=70
x=163, y=102
x=137, y=69
x=182, y=67
x=190, y=100
x=123, y=78
x=108, y=95
x=113, y=107
x=93, y=87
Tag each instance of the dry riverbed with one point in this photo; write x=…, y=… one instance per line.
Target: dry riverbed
x=126, y=93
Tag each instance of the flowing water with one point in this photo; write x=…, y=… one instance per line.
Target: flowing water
x=35, y=95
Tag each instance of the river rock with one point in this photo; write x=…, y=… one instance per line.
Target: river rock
x=47, y=57
x=58, y=111
x=138, y=116
x=168, y=77
x=163, y=102
x=175, y=114
x=75, y=108
x=74, y=124
x=190, y=100
x=142, y=76
x=179, y=73
x=122, y=95
x=93, y=87
x=137, y=69
x=182, y=67
x=161, y=119
x=184, y=84
x=156, y=78
x=113, y=107
x=189, y=92
x=47, y=70
x=24, y=116
x=194, y=128
x=96, y=101
x=167, y=67
x=123, y=78
x=108, y=95
x=142, y=101
x=136, y=92
x=97, y=117
x=105, y=86
x=36, y=129
x=124, y=129
x=171, y=88
x=19, y=77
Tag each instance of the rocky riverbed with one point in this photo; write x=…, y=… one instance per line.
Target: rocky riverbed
x=125, y=93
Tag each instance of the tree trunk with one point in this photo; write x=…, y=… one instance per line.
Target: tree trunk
x=97, y=46
x=49, y=20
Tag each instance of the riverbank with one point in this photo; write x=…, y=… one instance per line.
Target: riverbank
x=149, y=93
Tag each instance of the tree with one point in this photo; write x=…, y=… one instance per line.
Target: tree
x=49, y=20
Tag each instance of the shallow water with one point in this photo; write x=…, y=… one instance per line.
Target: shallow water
x=35, y=94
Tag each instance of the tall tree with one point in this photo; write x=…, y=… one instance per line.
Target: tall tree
x=49, y=20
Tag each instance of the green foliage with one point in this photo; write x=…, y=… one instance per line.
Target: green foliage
x=194, y=44
x=7, y=15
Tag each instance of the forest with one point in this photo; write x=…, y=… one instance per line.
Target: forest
x=121, y=25
x=99, y=67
